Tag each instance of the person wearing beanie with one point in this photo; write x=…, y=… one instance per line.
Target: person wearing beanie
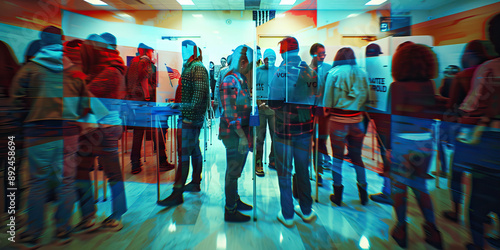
x=265, y=74
x=292, y=95
x=110, y=39
x=234, y=129
x=105, y=72
x=318, y=54
x=382, y=121
x=195, y=100
x=51, y=35
x=141, y=88
x=51, y=132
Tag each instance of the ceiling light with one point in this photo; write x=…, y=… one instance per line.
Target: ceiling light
x=124, y=15
x=185, y=2
x=281, y=15
x=198, y=15
x=375, y=2
x=96, y=2
x=352, y=15
x=287, y=2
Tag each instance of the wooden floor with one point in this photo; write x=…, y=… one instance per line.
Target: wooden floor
x=199, y=222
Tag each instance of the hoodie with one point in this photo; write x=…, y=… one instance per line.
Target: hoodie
x=105, y=71
x=45, y=90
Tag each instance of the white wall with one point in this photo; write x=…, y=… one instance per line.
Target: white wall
x=18, y=38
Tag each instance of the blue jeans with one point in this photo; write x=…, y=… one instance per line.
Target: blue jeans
x=266, y=116
x=447, y=135
x=324, y=159
x=352, y=134
x=235, y=163
x=51, y=148
x=288, y=152
x=190, y=149
x=102, y=142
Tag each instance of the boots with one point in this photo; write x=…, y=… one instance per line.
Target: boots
x=363, y=195
x=235, y=216
x=398, y=233
x=295, y=187
x=242, y=206
x=432, y=235
x=336, y=197
x=173, y=200
x=453, y=215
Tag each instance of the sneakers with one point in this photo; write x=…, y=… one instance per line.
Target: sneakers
x=381, y=198
x=241, y=206
x=306, y=218
x=173, y=200
x=286, y=222
x=86, y=226
x=112, y=225
x=166, y=166
x=259, y=170
x=192, y=187
x=235, y=216
x=432, y=235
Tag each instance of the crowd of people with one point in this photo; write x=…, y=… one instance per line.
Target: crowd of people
x=65, y=106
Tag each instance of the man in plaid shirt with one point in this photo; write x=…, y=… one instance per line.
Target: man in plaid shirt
x=234, y=129
x=292, y=94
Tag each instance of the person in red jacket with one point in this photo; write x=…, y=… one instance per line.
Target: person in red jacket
x=141, y=88
x=105, y=72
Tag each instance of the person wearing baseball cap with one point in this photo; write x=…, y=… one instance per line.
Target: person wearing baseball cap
x=292, y=94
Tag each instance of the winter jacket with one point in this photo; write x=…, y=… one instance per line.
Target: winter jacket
x=139, y=70
x=45, y=90
x=105, y=71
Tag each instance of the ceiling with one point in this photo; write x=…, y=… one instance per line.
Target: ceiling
x=256, y=4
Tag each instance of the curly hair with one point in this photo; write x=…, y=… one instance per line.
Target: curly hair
x=414, y=62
